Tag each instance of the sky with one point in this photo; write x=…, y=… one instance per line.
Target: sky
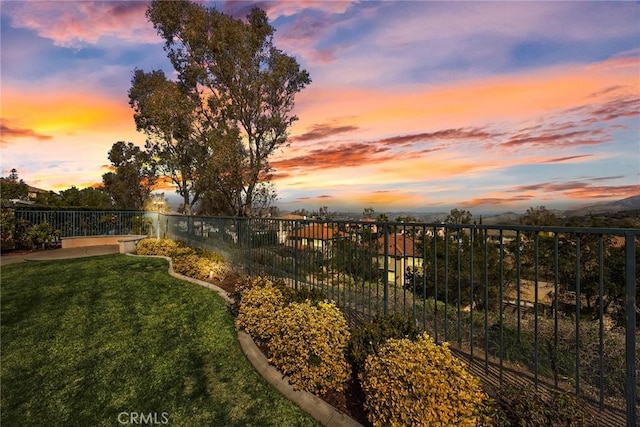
x=414, y=105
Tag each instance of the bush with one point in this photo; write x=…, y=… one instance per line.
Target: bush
x=161, y=247
x=309, y=346
x=303, y=294
x=7, y=229
x=43, y=235
x=199, y=263
x=368, y=338
x=258, y=308
x=520, y=405
x=419, y=383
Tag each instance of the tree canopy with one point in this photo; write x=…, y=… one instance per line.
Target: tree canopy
x=215, y=128
x=133, y=178
x=12, y=188
x=539, y=215
x=459, y=216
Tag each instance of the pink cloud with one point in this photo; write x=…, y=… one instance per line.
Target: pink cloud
x=322, y=131
x=579, y=190
x=460, y=134
x=572, y=139
x=337, y=156
x=71, y=25
x=566, y=159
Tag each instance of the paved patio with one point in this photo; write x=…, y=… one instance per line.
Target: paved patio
x=55, y=254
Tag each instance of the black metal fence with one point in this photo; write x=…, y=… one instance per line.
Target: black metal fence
x=85, y=222
x=555, y=306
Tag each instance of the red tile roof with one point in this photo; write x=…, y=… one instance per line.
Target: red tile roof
x=316, y=231
x=398, y=245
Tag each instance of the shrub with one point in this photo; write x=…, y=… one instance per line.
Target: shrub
x=309, y=346
x=243, y=284
x=161, y=247
x=303, y=294
x=368, y=338
x=419, y=383
x=522, y=405
x=7, y=229
x=43, y=235
x=198, y=263
x=258, y=308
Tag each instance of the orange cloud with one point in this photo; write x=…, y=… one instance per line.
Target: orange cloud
x=496, y=201
x=164, y=183
x=10, y=133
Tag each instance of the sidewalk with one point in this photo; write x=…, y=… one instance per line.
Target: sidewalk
x=56, y=254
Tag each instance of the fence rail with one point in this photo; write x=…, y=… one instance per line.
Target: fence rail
x=553, y=306
x=84, y=223
x=556, y=306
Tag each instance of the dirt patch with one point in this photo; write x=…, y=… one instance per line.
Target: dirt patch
x=229, y=283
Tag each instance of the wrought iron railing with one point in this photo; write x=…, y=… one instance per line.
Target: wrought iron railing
x=556, y=306
x=84, y=222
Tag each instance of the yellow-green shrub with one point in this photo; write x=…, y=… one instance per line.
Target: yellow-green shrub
x=163, y=247
x=258, y=308
x=419, y=383
x=199, y=263
x=309, y=346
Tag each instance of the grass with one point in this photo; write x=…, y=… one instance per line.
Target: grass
x=85, y=340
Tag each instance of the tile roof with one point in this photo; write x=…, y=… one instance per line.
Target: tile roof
x=399, y=245
x=316, y=231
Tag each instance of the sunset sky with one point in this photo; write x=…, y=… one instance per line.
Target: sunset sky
x=422, y=106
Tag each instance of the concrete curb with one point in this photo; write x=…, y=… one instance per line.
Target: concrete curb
x=324, y=413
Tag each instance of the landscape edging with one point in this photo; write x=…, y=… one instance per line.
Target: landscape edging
x=321, y=411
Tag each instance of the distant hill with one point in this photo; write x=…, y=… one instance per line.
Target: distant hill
x=629, y=203
x=506, y=218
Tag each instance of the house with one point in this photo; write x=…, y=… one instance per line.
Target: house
x=402, y=253
x=315, y=236
x=285, y=224
x=33, y=192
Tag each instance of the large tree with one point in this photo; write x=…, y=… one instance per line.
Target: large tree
x=166, y=114
x=133, y=178
x=235, y=91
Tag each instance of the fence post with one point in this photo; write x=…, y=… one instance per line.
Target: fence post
x=385, y=277
x=247, y=225
x=298, y=235
x=630, y=341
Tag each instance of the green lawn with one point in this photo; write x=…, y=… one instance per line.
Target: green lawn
x=86, y=340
